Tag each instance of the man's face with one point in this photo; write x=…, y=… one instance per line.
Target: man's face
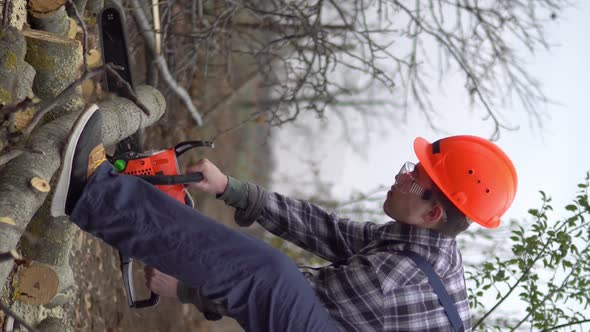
x=403, y=204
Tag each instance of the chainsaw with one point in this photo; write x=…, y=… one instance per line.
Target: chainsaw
x=159, y=168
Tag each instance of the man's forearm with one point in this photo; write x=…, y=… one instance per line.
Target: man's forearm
x=306, y=225
x=236, y=193
x=247, y=198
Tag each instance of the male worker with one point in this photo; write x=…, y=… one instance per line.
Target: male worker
x=372, y=284
x=375, y=282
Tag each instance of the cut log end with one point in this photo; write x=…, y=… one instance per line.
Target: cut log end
x=40, y=184
x=23, y=118
x=73, y=30
x=94, y=58
x=87, y=89
x=47, y=38
x=37, y=284
x=45, y=6
x=7, y=220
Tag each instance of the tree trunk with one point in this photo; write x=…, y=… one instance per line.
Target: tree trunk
x=19, y=200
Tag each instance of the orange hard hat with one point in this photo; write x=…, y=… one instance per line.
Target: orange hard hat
x=473, y=173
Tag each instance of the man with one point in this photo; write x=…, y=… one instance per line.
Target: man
x=374, y=284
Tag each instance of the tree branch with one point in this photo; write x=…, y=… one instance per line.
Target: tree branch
x=145, y=30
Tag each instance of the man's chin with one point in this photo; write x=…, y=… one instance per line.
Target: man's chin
x=391, y=214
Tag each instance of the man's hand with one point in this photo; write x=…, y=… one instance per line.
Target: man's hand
x=160, y=283
x=214, y=181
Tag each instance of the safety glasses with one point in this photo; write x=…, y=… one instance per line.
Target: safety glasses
x=405, y=181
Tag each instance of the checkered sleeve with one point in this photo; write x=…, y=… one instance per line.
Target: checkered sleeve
x=313, y=229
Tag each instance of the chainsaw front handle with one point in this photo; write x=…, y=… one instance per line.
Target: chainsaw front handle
x=171, y=180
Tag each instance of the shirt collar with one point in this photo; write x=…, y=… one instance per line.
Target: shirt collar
x=401, y=232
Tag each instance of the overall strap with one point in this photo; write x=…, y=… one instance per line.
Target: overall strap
x=438, y=287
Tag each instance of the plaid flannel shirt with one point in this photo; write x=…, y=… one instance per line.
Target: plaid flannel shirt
x=370, y=287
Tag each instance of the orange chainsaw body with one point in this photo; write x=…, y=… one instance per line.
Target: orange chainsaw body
x=159, y=163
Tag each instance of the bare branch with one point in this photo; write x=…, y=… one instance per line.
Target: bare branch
x=145, y=30
x=81, y=23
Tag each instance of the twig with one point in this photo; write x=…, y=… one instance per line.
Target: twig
x=145, y=30
x=9, y=256
x=5, y=20
x=15, y=151
x=156, y=19
x=16, y=318
x=128, y=92
x=84, y=33
x=236, y=126
x=8, y=156
x=567, y=324
x=27, y=102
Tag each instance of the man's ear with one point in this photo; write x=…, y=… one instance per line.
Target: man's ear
x=434, y=215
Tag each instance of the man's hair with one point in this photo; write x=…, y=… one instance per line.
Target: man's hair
x=453, y=220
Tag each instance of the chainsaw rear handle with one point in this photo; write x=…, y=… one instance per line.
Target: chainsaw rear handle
x=127, y=270
x=170, y=180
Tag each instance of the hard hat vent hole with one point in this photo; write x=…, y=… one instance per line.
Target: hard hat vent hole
x=487, y=191
x=470, y=172
x=478, y=181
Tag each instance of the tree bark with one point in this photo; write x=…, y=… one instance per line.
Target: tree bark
x=80, y=6
x=17, y=13
x=94, y=7
x=16, y=75
x=52, y=324
x=57, y=61
x=13, y=67
x=20, y=201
